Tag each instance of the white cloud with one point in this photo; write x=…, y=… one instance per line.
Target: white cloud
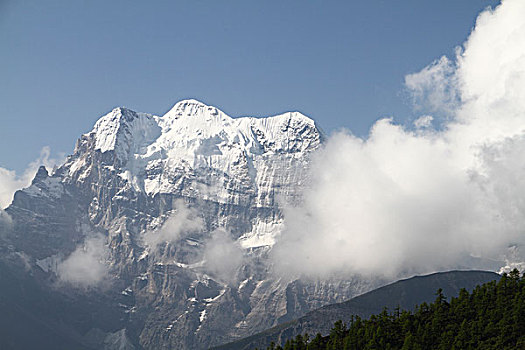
x=86, y=266
x=10, y=181
x=219, y=255
x=404, y=201
x=223, y=256
x=424, y=121
x=5, y=219
x=435, y=87
x=182, y=222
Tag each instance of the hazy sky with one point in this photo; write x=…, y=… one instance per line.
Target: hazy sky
x=65, y=63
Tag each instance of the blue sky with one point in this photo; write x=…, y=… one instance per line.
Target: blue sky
x=65, y=63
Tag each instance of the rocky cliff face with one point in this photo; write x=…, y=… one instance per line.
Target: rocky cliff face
x=187, y=206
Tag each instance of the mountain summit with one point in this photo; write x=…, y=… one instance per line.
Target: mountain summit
x=152, y=150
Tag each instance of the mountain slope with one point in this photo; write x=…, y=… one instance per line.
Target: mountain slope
x=405, y=293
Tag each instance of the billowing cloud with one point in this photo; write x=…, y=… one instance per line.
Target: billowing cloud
x=86, y=266
x=182, y=222
x=223, y=256
x=406, y=201
x=10, y=181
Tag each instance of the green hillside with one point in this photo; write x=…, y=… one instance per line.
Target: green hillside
x=492, y=316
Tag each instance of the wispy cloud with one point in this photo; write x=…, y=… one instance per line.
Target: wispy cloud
x=223, y=256
x=216, y=253
x=406, y=201
x=86, y=266
x=435, y=87
x=5, y=220
x=182, y=222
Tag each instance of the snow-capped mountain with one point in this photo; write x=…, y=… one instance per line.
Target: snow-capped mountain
x=183, y=210
x=197, y=151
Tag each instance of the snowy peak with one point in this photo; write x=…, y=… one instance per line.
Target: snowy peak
x=124, y=131
x=127, y=132
x=193, y=141
x=191, y=108
x=191, y=124
x=295, y=116
x=107, y=127
x=197, y=109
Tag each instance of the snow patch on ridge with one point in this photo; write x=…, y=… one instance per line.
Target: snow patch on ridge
x=262, y=234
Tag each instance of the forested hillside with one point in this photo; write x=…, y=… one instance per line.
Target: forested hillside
x=491, y=317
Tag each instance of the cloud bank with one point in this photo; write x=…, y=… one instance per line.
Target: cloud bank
x=86, y=266
x=10, y=181
x=412, y=200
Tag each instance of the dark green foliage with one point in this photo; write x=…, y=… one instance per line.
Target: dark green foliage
x=491, y=317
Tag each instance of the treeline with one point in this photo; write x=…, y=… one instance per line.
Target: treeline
x=491, y=317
